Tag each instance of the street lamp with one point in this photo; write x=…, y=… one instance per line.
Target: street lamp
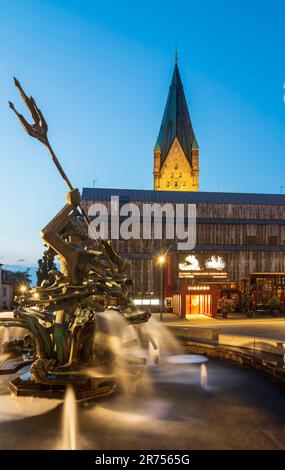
x=161, y=261
x=23, y=289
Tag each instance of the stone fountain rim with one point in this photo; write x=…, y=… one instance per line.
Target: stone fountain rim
x=238, y=357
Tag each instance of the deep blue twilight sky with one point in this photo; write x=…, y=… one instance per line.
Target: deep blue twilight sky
x=100, y=71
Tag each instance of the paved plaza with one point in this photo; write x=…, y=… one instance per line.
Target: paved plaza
x=267, y=327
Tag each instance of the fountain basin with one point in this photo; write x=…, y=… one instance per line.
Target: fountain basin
x=187, y=359
x=234, y=411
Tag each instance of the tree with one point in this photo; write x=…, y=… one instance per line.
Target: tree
x=19, y=279
x=45, y=264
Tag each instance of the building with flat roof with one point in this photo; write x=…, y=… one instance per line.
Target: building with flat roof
x=240, y=238
x=237, y=235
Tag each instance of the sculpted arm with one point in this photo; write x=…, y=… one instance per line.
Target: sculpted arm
x=50, y=234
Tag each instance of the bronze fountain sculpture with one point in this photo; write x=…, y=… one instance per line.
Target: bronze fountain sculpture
x=61, y=315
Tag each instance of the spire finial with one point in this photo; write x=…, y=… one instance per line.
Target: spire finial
x=176, y=55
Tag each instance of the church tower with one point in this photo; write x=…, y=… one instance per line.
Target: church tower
x=176, y=152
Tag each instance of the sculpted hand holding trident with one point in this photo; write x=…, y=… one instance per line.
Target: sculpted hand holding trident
x=39, y=130
x=73, y=259
x=61, y=314
x=67, y=254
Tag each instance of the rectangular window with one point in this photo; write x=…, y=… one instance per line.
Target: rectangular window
x=251, y=240
x=146, y=301
x=273, y=240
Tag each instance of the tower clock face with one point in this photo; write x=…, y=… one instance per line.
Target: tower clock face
x=175, y=183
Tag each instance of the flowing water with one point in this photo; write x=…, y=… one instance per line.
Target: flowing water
x=203, y=376
x=153, y=353
x=187, y=359
x=69, y=420
x=7, y=334
x=164, y=408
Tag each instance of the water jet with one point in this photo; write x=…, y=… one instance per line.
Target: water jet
x=69, y=420
x=203, y=375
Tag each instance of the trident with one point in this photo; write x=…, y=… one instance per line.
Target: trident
x=39, y=130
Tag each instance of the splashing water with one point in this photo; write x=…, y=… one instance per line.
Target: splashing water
x=112, y=332
x=134, y=347
x=153, y=352
x=187, y=359
x=203, y=376
x=11, y=333
x=15, y=408
x=5, y=336
x=167, y=343
x=69, y=427
x=122, y=340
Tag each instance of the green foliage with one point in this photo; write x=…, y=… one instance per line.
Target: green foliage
x=227, y=306
x=45, y=264
x=19, y=279
x=274, y=303
x=247, y=299
x=246, y=302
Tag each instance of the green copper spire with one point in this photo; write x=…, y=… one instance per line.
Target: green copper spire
x=176, y=120
x=195, y=144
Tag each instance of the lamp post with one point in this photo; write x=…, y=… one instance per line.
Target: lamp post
x=161, y=261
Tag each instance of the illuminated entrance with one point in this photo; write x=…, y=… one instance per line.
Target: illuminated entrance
x=198, y=304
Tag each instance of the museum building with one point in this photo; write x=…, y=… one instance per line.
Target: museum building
x=240, y=238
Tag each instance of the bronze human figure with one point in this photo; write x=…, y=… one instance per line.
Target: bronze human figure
x=61, y=314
